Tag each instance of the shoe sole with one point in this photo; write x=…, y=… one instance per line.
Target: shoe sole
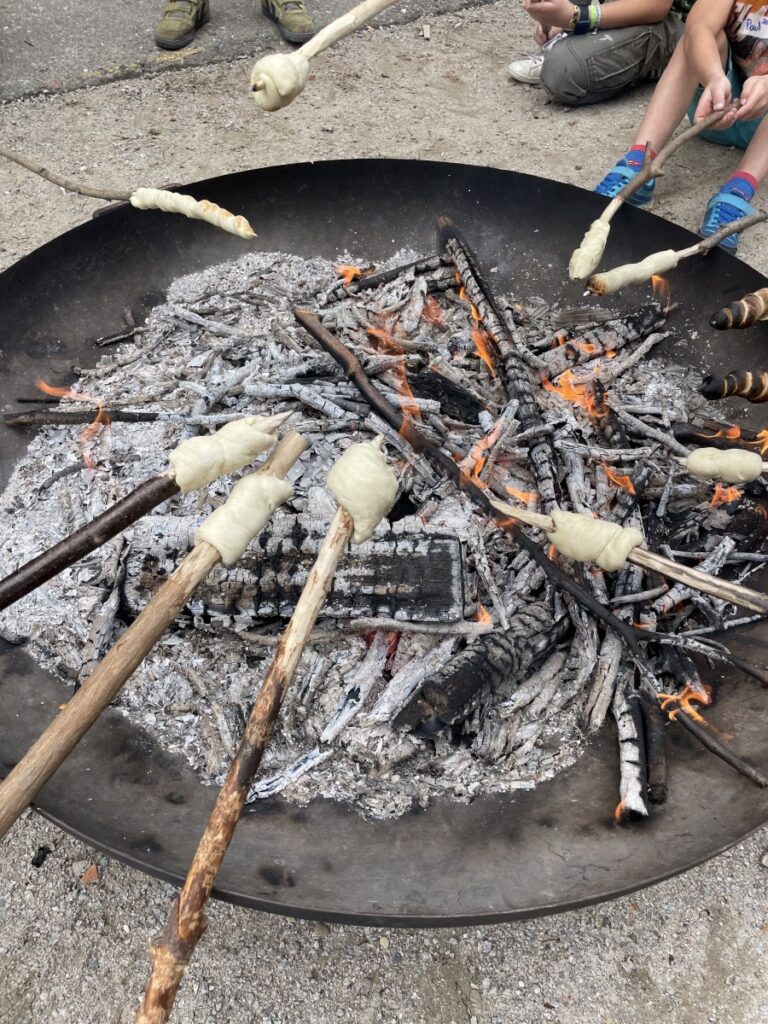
x=286, y=33
x=179, y=44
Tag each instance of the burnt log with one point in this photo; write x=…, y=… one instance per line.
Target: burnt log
x=713, y=434
x=455, y=401
x=493, y=660
x=655, y=731
x=419, y=578
x=608, y=337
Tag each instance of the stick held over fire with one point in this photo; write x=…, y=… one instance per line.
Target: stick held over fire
x=194, y=463
x=61, y=737
x=172, y=950
x=278, y=78
x=737, y=383
x=745, y=312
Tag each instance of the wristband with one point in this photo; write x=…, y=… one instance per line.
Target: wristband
x=595, y=14
x=582, y=22
x=573, y=19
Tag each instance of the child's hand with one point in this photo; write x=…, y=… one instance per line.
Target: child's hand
x=754, y=98
x=716, y=96
x=550, y=13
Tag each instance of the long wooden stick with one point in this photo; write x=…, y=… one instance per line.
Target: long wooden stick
x=172, y=950
x=56, y=179
x=735, y=593
x=118, y=517
x=98, y=691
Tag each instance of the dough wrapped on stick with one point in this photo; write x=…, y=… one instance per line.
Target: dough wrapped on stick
x=195, y=463
x=363, y=484
x=144, y=198
x=278, y=78
x=738, y=383
x=732, y=465
x=239, y=517
x=746, y=311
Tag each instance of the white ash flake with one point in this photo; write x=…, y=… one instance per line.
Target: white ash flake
x=226, y=344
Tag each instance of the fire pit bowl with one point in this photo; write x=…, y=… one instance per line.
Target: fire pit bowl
x=502, y=857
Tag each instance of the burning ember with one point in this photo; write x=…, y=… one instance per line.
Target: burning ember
x=724, y=495
x=404, y=694
x=101, y=419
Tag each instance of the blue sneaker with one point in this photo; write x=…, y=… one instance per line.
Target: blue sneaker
x=617, y=178
x=723, y=208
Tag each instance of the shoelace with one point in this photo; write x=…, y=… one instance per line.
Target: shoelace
x=722, y=214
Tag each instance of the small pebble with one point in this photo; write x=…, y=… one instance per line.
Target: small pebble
x=384, y=942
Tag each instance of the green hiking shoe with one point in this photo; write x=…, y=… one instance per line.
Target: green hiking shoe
x=180, y=20
x=292, y=18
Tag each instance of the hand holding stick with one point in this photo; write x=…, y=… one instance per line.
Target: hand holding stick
x=194, y=463
x=278, y=78
x=98, y=691
x=365, y=473
x=586, y=258
x=144, y=198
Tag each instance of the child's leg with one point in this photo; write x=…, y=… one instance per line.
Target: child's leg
x=755, y=159
x=734, y=198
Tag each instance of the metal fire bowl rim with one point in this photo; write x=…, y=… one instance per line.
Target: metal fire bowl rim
x=520, y=855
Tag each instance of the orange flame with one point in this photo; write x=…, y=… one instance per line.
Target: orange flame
x=348, y=273
x=475, y=460
x=618, y=814
x=526, y=497
x=685, y=700
x=624, y=482
x=88, y=433
x=480, y=338
x=724, y=495
x=662, y=292
x=482, y=614
x=761, y=441
x=572, y=390
x=388, y=343
x=587, y=347
x=431, y=311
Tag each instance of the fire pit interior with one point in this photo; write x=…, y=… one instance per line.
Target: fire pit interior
x=383, y=736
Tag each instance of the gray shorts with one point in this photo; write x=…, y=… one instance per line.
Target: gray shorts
x=600, y=65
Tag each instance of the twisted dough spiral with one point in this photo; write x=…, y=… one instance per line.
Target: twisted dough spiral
x=278, y=78
x=175, y=202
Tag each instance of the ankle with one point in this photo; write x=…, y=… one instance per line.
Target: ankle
x=635, y=157
x=743, y=184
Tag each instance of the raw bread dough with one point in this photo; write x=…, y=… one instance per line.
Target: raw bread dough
x=233, y=525
x=585, y=539
x=175, y=202
x=586, y=258
x=633, y=273
x=199, y=460
x=282, y=76
x=734, y=466
x=363, y=484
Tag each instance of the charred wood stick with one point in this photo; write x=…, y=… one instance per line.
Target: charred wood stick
x=368, y=281
x=444, y=463
x=740, y=383
x=173, y=948
x=587, y=256
x=608, y=337
x=654, y=729
x=632, y=758
x=667, y=259
x=64, y=417
x=71, y=549
x=98, y=691
x=712, y=434
x=743, y=313
x=719, y=749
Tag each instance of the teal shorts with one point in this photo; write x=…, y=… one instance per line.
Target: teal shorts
x=740, y=133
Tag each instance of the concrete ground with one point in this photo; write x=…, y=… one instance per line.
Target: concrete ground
x=689, y=951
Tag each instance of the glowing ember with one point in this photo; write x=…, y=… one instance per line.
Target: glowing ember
x=480, y=338
x=387, y=342
x=475, y=460
x=761, y=441
x=724, y=495
x=624, y=482
x=526, y=497
x=101, y=418
x=662, y=292
x=587, y=347
x=618, y=814
x=685, y=700
x=348, y=273
x=572, y=390
x=482, y=614
x=432, y=312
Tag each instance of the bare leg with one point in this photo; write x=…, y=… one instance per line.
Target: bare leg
x=755, y=159
x=671, y=97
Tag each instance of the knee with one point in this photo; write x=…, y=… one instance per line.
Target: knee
x=564, y=78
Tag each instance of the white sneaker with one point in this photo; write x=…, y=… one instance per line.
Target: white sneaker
x=527, y=69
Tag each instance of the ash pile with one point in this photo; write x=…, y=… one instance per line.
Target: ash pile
x=446, y=662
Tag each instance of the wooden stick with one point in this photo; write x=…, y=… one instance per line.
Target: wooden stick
x=56, y=179
x=98, y=691
x=734, y=593
x=172, y=950
x=719, y=749
x=118, y=517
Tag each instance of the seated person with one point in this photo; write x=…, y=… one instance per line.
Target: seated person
x=592, y=52
x=722, y=57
